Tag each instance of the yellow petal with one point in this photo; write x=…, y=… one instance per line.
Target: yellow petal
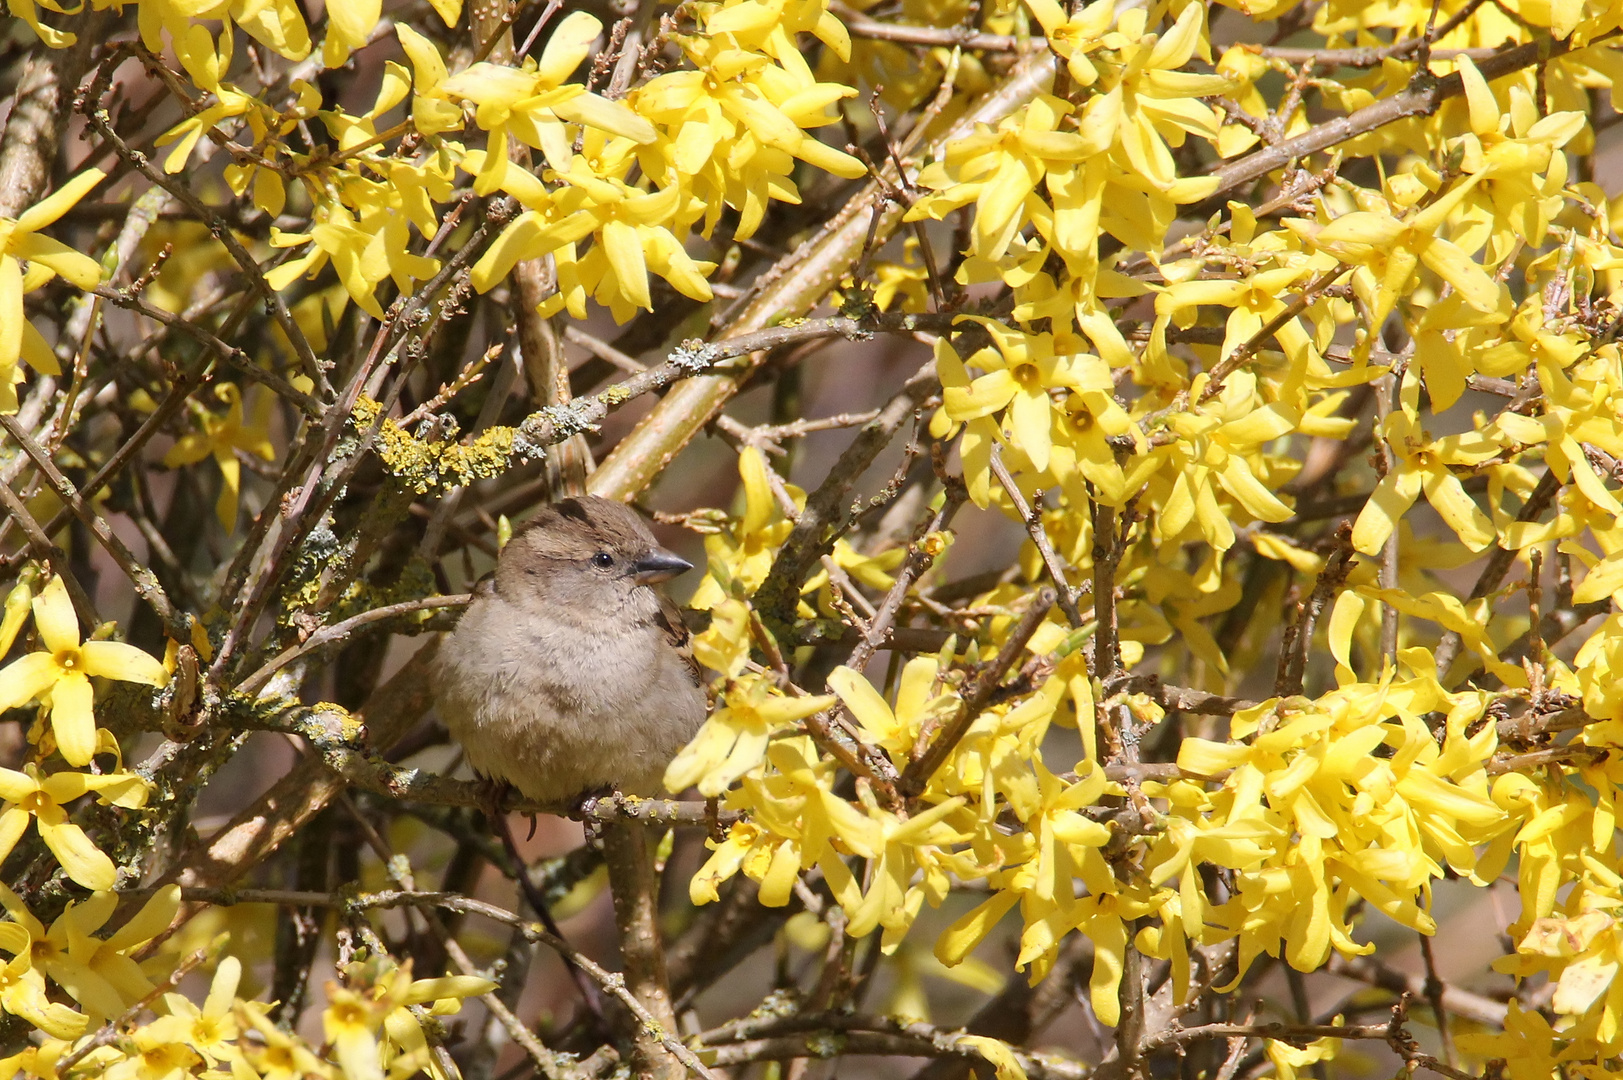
x=969, y=930
x=863, y=701
x=58, y=626
x=60, y=201
x=81, y=860
x=624, y=249
x=116, y=660
x=1484, y=110
x=1447, y=496
x=606, y=115
x=569, y=45
x=73, y=718
x=1391, y=499
x=12, y=317
x=1449, y=262
x=27, y=678
x=154, y=918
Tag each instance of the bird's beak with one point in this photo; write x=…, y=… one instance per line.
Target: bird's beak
x=658, y=565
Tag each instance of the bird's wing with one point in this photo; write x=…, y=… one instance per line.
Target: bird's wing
x=677, y=633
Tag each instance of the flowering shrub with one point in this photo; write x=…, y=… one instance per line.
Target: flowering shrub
x=1227, y=602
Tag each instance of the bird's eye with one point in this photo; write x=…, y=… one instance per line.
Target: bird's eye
x=602, y=560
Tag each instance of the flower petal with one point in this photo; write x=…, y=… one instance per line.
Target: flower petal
x=81, y=860
x=61, y=200
x=73, y=718
x=54, y=617
x=116, y=660
x=26, y=679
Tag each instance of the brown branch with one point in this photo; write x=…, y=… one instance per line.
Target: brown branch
x=1033, y=522
x=930, y=754
x=239, y=361
x=800, y=280
x=144, y=580
x=1293, y=663
x=1295, y=1034
x=1421, y=98
x=636, y=914
x=42, y=546
x=1461, y=1003
x=1253, y=344
x=112, y=1029
x=339, y=631
x=935, y=37
x=178, y=189
x=1499, y=563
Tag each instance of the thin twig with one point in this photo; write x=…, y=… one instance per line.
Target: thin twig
x=145, y=581
x=929, y=756
x=1033, y=522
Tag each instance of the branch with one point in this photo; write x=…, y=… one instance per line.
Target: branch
x=1033, y=522
x=798, y=281
x=1422, y=97
x=929, y=756
x=144, y=580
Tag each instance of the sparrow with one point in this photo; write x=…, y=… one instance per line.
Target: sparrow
x=571, y=672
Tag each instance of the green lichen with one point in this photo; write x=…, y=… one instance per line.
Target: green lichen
x=424, y=465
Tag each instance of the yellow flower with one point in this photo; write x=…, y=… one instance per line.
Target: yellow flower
x=737, y=564
x=532, y=103
x=211, y=1030
x=734, y=739
x=351, y=1022
x=1422, y=464
x=1000, y=170
x=1019, y=373
x=1073, y=37
x=733, y=126
x=917, y=703
x=29, y=797
x=281, y=1056
x=631, y=227
x=1219, y=448
x=205, y=63
x=222, y=437
x=20, y=242
x=349, y=24
x=99, y=973
x=1253, y=301
x=1388, y=249
x=23, y=993
x=60, y=673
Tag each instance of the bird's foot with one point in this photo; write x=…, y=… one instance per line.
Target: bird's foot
x=586, y=808
x=493, y=797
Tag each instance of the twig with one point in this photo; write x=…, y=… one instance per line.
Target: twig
x=236, y=358
x=45, y=549
x=635, y=891
x=337, y=632
x=1249, y=348
x=1499, y=563
x=936, y=37
x=1404, y=1045
x=102, y=122
x=112, y=1029
x=1421, y=98
x=1293, y=665
x=1434, y=997
x=144, y=580
x=1033, y=522
x=880, y=630
x=929, y=754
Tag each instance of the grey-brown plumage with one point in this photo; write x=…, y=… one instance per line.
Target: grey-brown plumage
x=570, y=671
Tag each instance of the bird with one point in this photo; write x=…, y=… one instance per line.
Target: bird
x=571, y=673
